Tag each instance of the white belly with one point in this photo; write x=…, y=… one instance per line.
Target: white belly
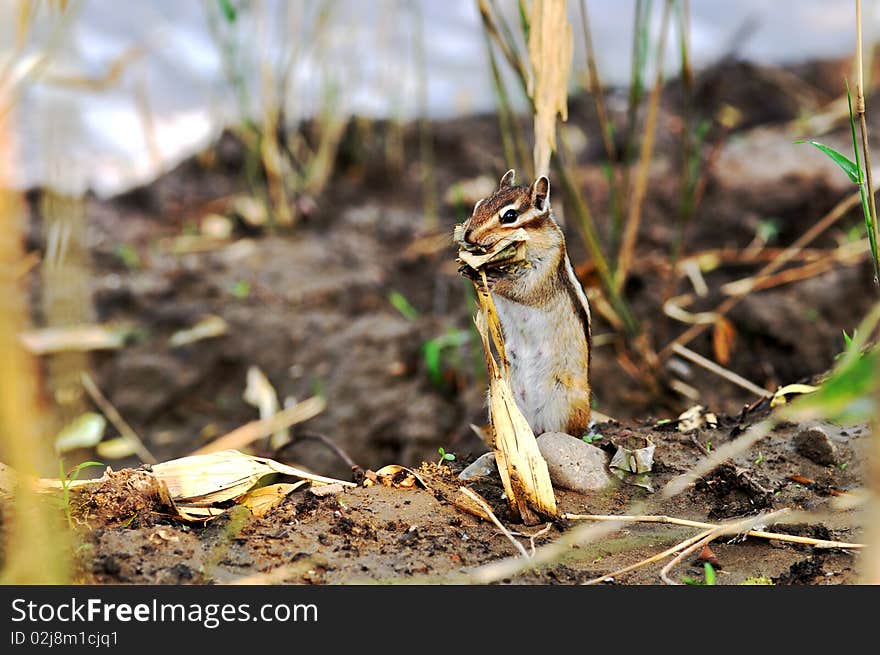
x=545, y=347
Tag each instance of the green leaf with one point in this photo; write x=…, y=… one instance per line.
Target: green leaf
x=846, y=164
x=403, y=305
x=79, y=468
x=228, y=9
x=431, y=351
x=709, y=573
x=847, y=396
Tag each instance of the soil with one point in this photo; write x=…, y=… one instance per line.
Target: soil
x=311, y=306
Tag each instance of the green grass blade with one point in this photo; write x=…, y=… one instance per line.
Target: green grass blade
x=846, y=164
x=863, y=191
x=403, y=305
x=229, y=11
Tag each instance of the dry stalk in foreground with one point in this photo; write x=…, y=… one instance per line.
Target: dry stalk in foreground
x=491, y=515
x=523, y=470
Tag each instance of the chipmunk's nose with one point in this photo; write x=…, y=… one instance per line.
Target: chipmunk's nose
x=467, y=235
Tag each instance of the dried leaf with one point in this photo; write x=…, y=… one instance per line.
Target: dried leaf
x=250, y=432
x=723, y=338
x=550, y=52
x=695, y=418
x=400, y=477
x=207, y=328
x=779, y=398
x=508, y=249
x=260, y=393
x=632, y=465
x=259, y=501
x=706, y=555
x=84, y=431
x=80, y=338
x=198, y=484
x=323, y=490
x=117, y=448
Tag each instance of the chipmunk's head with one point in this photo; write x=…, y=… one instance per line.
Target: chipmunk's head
x=510, y=207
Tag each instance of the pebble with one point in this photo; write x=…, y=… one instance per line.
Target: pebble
x=573, y=464
x=815, y=444
x=481, y=467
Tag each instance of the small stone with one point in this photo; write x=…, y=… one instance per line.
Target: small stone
x=815, y=444
x=481, y=467
x=573, y=463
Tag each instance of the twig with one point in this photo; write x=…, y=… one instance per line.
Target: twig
x=759, y=534
x=837, y=212
x=327, y=441
x=250, y=432
x=485, y=507
x=634, y=214
x=720, y=371
x=532, y=537
x=650, y=560
x=849, y=254
x=116, y=419
x=664, y=572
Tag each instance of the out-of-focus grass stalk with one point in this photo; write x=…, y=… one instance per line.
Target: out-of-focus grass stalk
x=512, y=141
x=688, y=150
x=426, y=137
x=605, y=127
x=871, y=563
x=634, y=210
x=36, y=545
x=506, y=48
x=863, y=128
x=641, y=27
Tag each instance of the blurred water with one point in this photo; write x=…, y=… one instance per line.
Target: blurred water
x=77, y=131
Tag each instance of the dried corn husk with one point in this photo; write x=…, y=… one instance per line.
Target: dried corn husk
x=201, y=487
x=550, y=51
x=509, y=249
x=199, y=483
x=523, y=470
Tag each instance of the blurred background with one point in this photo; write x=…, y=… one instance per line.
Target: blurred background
x=227, y=207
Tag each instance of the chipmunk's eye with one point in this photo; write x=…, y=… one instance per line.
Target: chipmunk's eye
x=509, y=216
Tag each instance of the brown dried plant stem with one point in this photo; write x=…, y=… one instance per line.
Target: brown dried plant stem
x=837, y=212
x=477, y=498
x=671, y=520
x=634, y=213
x=35, y=545
x=116, y=419
x=596, y=90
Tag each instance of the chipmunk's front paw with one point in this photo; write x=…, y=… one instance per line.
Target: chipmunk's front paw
x=473, y=274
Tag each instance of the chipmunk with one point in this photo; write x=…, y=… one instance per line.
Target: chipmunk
x=544, y=314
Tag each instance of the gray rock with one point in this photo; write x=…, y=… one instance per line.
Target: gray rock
x=573, y=463
x=483, y=466
x=815, y=444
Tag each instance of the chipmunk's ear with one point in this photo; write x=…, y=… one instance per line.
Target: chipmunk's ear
x=508, y=179
x=541, y=192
